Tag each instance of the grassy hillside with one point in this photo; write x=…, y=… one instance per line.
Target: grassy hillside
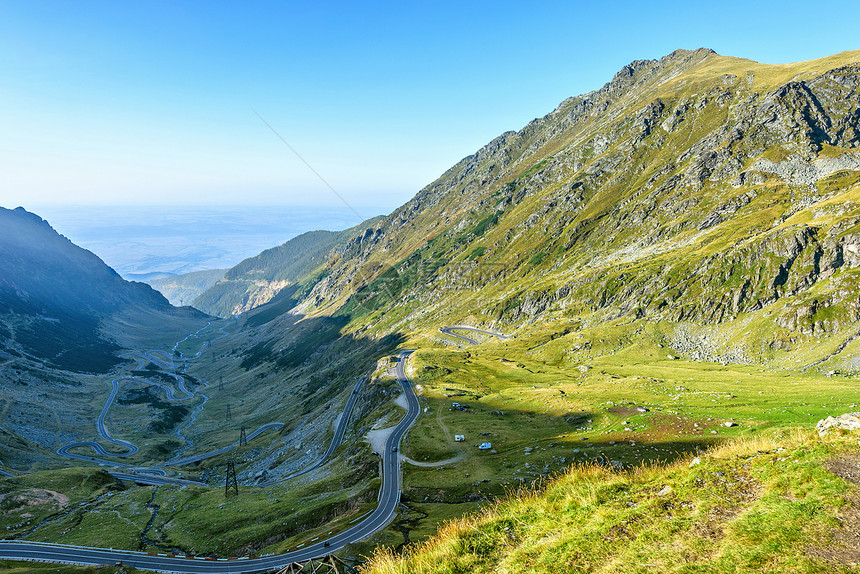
x=772, y=504
x=232, y=373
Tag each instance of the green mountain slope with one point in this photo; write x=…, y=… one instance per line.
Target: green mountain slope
x=764, y=505
x=697, y=187
x=257, y=279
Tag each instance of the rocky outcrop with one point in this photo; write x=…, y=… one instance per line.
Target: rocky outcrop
x=848, y=422
x=725, y=211
x=797, y=171
x=809, y=114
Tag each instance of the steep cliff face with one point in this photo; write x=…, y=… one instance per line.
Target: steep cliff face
x=695, y=187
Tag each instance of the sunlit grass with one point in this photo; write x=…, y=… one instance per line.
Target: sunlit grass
x=754, y=504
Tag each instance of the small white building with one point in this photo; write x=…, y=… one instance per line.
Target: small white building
x=459, y=438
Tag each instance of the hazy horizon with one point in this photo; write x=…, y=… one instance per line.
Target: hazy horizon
x=172, y=239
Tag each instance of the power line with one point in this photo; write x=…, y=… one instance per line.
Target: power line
x=310, y=167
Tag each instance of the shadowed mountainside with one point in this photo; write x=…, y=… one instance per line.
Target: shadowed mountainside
x=61, y=304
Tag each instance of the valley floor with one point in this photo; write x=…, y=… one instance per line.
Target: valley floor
x=615, y=413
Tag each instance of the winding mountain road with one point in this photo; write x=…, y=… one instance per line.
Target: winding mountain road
x=153, y=479
x=163, y=361
x=389, y=498
x=203, y=456
x=101, y=428
x=339, y=432
x=471, y=341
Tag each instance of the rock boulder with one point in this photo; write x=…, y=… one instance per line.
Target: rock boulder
x=848, y=421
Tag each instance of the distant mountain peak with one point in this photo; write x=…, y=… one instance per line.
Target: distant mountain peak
x=26, y=215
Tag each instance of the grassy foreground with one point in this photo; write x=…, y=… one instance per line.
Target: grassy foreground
x=772, y=503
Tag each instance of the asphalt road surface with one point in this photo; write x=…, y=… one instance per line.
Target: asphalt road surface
x=203, y=456
x=102, y=430
x=152, y=479
x=64, y=451
x=471, y=341
x=389, y=498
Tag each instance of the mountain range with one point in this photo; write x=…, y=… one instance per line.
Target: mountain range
x=695, y=188
x=662, y=274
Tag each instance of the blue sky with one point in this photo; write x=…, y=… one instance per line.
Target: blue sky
x=153, y=102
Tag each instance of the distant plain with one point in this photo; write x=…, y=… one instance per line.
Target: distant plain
x=140, y=242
